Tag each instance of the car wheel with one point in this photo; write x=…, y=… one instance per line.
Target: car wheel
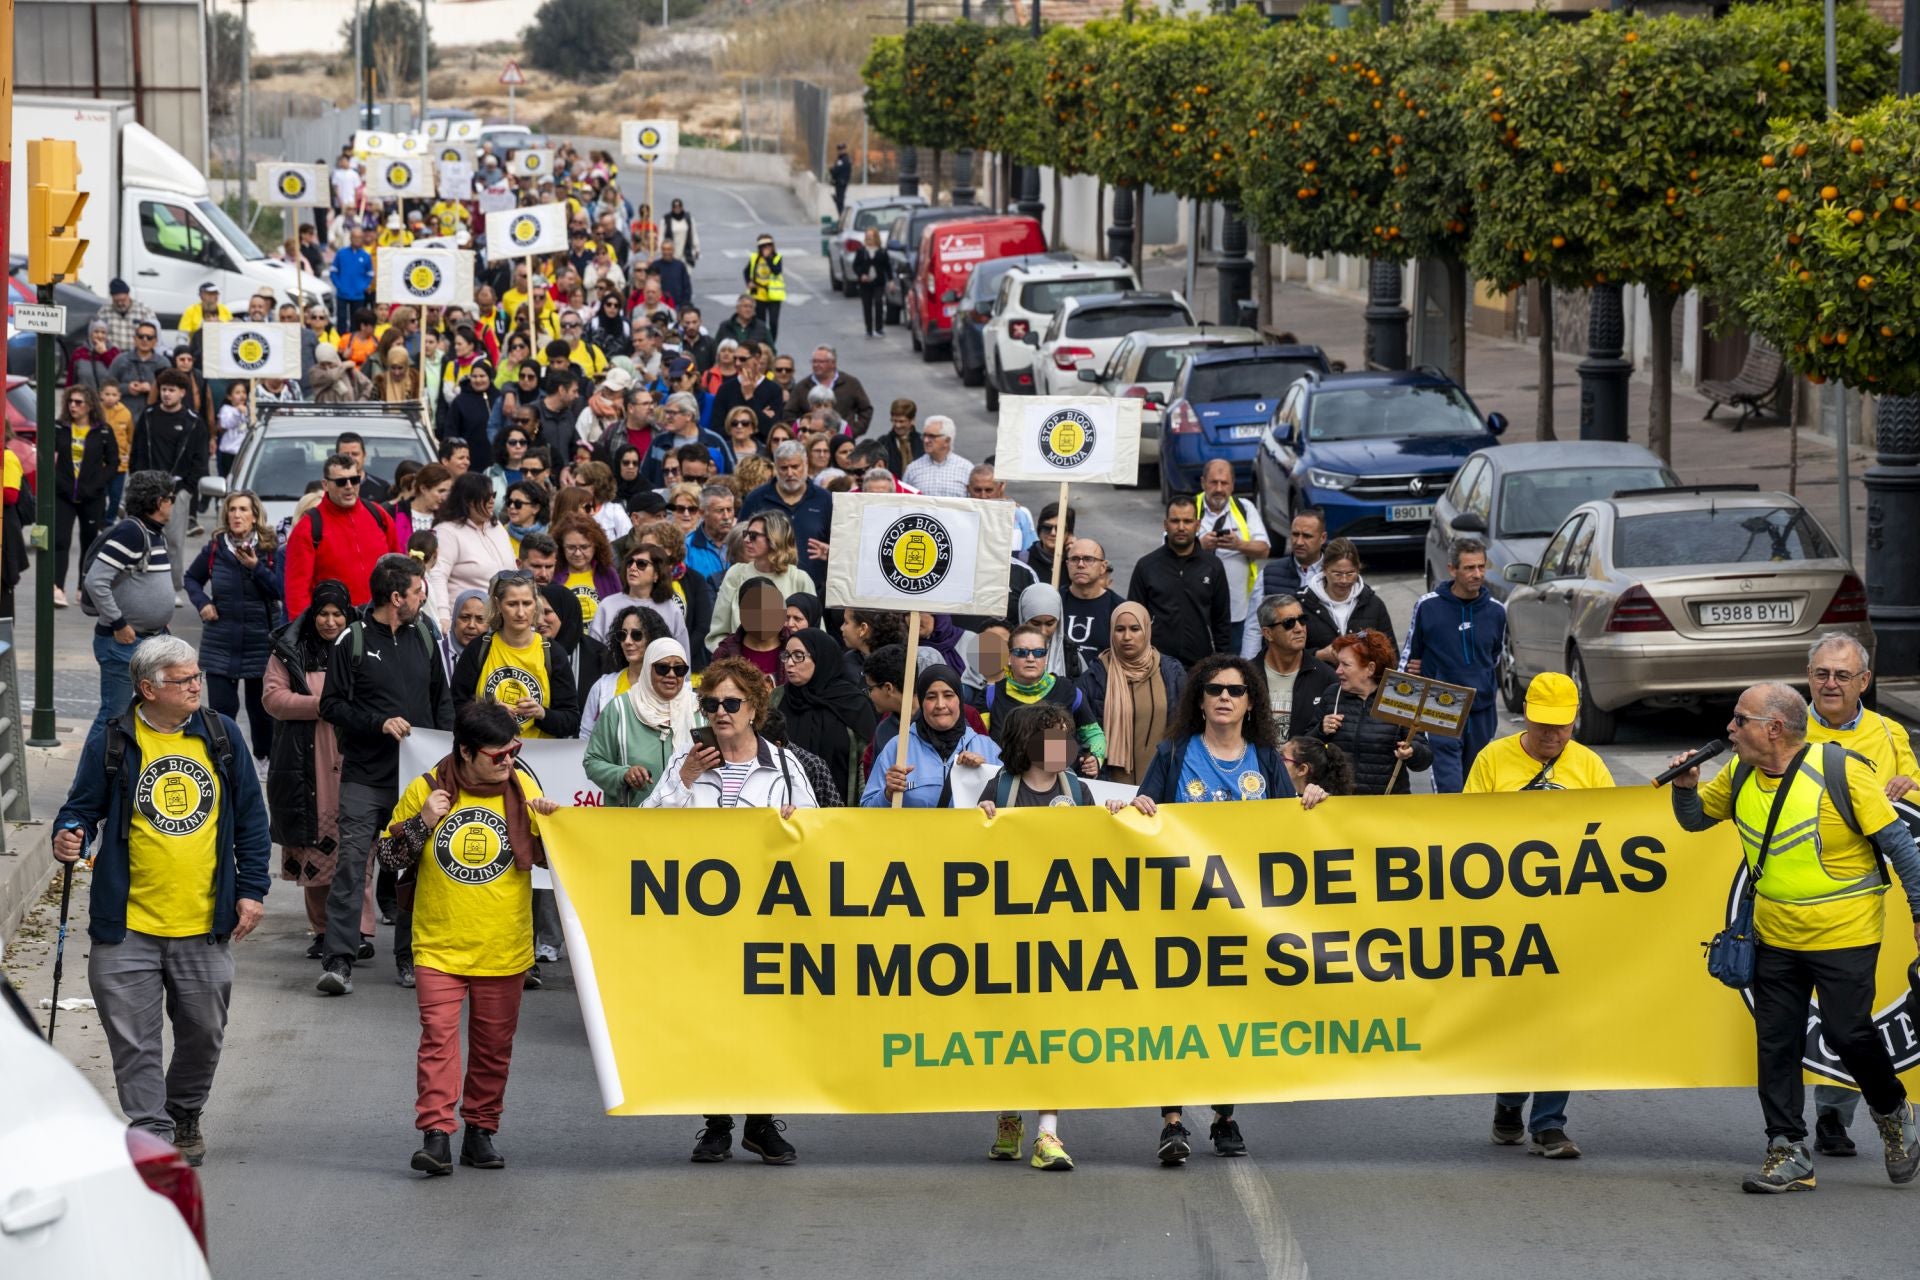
x=992, y=395
x=968, y=377
x=1592, y=726
x=929, y=354
x=1512, y=691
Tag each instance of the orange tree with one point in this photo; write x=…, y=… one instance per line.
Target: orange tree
x=1006, y=97
x=938, y=83
x=884, y=74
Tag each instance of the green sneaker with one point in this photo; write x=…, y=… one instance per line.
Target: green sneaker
x=1007, y=1137
x=1049, y=1154
x=1902, y=1136
x=1787, y=1167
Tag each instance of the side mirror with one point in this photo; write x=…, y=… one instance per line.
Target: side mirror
x=1497, y=423
x=1087, y=373
x=213, y=486
x=1469, y=522
x=1518, y=574
x=951, y=295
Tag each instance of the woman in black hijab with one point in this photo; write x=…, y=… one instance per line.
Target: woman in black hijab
x=805, y=610
x=629, y=483
x=469, y=412
x=826, y=711
x=566, y=633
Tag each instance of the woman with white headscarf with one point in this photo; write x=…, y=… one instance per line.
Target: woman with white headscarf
x=1041, y=606
x=647, y=722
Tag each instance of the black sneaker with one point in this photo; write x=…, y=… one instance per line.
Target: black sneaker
x=1226, y=1137
x=1174, y=1148
x=532, y=981
x=435, y=1155
x=317, y=949
x=366, y=948
x=187, y=1137
x=715, y=1141
x=403, y=973
x=762, y=1137
x=477, y=1150
x=1509, y=1126
x=336, y=977
x=1554, y=1144
x=1830, y=1137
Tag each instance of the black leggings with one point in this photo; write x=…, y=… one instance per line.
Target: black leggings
x=770, y=312
x=223, y=695
x=873, y=307
x=91, y=513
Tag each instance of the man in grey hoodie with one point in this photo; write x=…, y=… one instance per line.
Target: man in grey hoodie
x=129, y=586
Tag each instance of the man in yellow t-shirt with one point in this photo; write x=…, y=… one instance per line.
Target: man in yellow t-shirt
x=180, y=873
x=469, y=834
x=1541, y=757
x=1838, y=673
x=208, y=308
x=1817, y=830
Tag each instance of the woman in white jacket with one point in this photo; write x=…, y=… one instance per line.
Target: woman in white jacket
x=473, y=545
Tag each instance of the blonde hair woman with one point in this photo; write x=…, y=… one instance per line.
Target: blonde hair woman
x=766, y=551
x=236, y=585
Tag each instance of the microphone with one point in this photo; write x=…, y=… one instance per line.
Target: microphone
x=1693, y=761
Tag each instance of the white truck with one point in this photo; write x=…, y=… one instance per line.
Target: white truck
x=151, y=219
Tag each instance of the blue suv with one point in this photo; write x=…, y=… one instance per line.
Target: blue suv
x=1221, y=405
x=1372, y=450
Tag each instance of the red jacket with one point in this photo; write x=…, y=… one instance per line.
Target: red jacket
x=351, y=540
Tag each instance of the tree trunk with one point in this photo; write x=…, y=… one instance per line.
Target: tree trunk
x=1543, y=413
x=1660, y=304
x=1262, y=277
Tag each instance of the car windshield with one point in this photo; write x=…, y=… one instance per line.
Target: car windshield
x=284, y=465
x=1043, y=297
x=1533, y=503
x=1118, y=322
x=242, y=242
x=1162, y=364
x=1378, y=413
x=1724, y=535
x=880, y=216
x=1244, y=379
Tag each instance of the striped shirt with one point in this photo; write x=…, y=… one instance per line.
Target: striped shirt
x=733, y=777
x=120, y=591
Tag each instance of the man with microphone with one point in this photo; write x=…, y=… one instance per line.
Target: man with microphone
x=1814, y=823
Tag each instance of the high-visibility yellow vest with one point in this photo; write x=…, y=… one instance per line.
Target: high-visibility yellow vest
x=1795, y=871
x=1246, y=535
x=769, y=280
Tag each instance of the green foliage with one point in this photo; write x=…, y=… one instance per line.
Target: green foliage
x=938, y=86
x=391, y=42
x=583, y=37
x=884, y=73
x=1007, y=96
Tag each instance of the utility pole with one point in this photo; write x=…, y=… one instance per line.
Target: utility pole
x=1386, y=345
x=423, y=65
x=963, y=192
x=246, y=103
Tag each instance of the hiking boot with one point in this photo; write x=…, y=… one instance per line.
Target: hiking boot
x=1049, y=1154
x=403, y=973
x=188, y=1139
x=762, y=1137
x=1227, y=1141
x=1902, y=1136
x=366, y=948
x=1554, y=1144
x=1787, y=1167
x=715, y=1141
x=1509, y=1126
x=477, y=1150
x=336, y=977
x=532, y=981
x=1830, y=1136
x=1174, y=1148
x=1008, y=1135
x=435, y=1155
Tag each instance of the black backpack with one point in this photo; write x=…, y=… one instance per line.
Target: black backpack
x=380, y=517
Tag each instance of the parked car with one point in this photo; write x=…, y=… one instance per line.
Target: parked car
x=288, y=448
x=903, y=245
x=968, y=350
x=81, y=1194
x=1086, y=329
x=874, y=211
x=82, y=303
x=948, y=251
x=1372, y=450
x=23, y=410
x=1675, y=596
x=1145, y=364
x=1025, y=305
x=1222, y=405
x=1513, y=497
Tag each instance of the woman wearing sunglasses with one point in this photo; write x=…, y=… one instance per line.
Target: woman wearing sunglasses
x=469, y=834
x=1220, y=747
x=1028, y=681
x=646, y=713
x=646, y=572
x=516, y=667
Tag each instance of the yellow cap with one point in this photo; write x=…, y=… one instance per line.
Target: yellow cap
x=1552, y=699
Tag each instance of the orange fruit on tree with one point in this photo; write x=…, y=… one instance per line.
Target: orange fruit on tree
x=1799, y=150
x=1856, y=217
x=1900, y=203
x=1864, y=282
x=1766, y=162
x=1857, y=145
x=1631, y=37
x=1785, y=66
x=1783, y=195
x=1559, y=242
x=1805, y=276
x=1829, y=193
x=1886, y=331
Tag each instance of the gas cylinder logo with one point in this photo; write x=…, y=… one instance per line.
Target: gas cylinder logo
x=508, y=685
x=399, y=175
x=292, y=184
x=175, y=795
x=250, y=352
x=1066, y=438
x=471, y=846
x=524, y=230
x=423, y=278
x=916, y=554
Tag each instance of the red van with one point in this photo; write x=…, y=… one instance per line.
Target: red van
x=948, y=252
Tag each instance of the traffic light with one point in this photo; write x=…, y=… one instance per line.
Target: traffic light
x=54, y=205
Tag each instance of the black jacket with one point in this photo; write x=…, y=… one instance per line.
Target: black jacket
x=1369, y=745
x=1369, y=614
x=99, y=462
x=1313, y=690
x=898, y=458
x=293, y=801
x=563, y=701
x=175, y=443
x=755, y=332
x=466, y=419
x=877, y=261
x=728, y=396
x=400, y=673
x=1187, y=598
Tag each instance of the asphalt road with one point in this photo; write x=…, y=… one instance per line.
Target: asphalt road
x=310, y=1125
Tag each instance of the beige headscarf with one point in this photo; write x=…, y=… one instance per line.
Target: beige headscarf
x=1135, y=714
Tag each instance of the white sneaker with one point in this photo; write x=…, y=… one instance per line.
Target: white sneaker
x=546, y=955
x=260, y=767
x=179, y=599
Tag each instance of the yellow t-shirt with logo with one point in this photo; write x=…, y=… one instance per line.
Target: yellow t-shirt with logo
x=472, y=907
x=1821, y=926
x=580, y=582
x=448, y=215
x=80, y=435
x=172, y=846
x=508, y=674
x=1504, y=765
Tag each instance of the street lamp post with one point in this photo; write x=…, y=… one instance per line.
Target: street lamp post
x=1387, y=319
x=909, y=154
x=1233, y=268
x=963, y=192
x=1027, y=177
x=1120, y=232
x=1604, y=373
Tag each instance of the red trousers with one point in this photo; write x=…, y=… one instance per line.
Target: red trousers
x=491, y=1019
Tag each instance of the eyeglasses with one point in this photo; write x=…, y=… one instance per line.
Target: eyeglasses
x=1343, y=575
x=753, y=535
x=671, y=670
x=1225, y=690
x=731, y=706
x=198, y=677
x=686, y=508
x=1084, y=560
x=570, y=324
x=1028, y=653
x=1741, y=720
x=1046, y=526
x=504, y=754
x=1297, y=620
x=516, y=503
x=783, y=368
x=794, y=657
x=1820, y=675
x=345, y=482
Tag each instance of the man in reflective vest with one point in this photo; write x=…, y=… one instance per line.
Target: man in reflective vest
x=1838, y=673
x=767, y=281
x=1231, y=529
x=1815, y=825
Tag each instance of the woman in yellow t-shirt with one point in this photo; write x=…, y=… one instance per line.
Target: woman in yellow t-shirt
x=515, y=667
x=468, y=835
x=587, y=559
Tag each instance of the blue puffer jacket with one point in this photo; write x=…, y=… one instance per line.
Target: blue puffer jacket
x=240, y=868
x=927, y=784
x=251, y=604
x=1457, y=640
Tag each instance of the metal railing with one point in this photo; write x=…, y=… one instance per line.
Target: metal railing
x=13, y=756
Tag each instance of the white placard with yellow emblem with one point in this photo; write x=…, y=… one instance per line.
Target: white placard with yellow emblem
x=290, y=184
x=515, y=233
x=376, y=142
x=1077, y=438
x=465, y=130
x=400, y=177
x=422, y=277
x=651, y=141
x=531, y=162
x=245, y=349
x=446, y=153
x=910, y=551
x=1421, y=702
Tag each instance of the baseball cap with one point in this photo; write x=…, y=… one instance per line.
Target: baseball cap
x=210, y=286
x=1552, y=699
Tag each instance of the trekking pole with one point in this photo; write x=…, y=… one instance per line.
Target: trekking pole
x=60, y=948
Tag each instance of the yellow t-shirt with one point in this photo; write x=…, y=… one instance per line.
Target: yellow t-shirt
x=1504, y=765
x=1878, y=739
x=172, y=842
x=1821, y=926
x=508, y=674
x=472, y=908
x=79, y=434
x=12, y=474
x=448, y=215
x=580, y=582
x=194, y=316
x=120, y=418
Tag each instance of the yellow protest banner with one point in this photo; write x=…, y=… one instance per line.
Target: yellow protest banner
x=862, y=961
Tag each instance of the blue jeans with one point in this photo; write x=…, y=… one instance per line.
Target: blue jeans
x=115, y=488
x=116, y=682
x=1453, y=757
x=1549, y=1109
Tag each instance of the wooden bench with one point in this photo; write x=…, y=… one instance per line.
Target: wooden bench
x=1754, y=387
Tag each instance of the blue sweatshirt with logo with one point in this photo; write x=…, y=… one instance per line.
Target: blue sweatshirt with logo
x=1457, y=640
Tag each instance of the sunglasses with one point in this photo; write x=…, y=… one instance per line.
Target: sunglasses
x=634, y=633
x=752, y=535
x=731, y=706
x=679, y=671
x=1742, y=720
x=345, y=482
x=1297, y=620
x=686, y=508
x=1028, y=653
x=516, y=504
x=1225, y=690
x=533, y=473
x=504, y=754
